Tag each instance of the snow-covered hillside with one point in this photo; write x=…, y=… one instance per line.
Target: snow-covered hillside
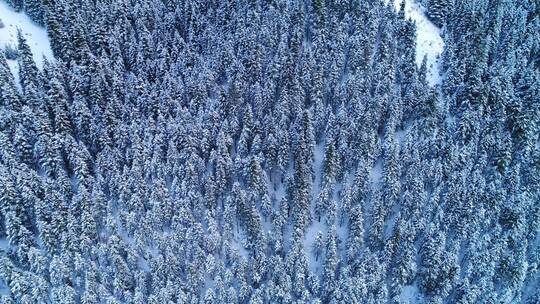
x=429, y=42
x=270, y=152
x=36, y=36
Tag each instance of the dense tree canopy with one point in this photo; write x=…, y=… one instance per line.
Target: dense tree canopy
x=271, y=151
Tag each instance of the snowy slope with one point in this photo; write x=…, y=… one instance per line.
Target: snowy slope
x=39, y=43
x=429, y=42
x=410, y=294
x=4, y=289
x=36, y=36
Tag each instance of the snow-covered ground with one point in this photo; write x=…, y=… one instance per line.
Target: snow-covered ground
x=36, y=36
x=410, y=294
x=4, y=289
x=375, y=175
x=429, y=42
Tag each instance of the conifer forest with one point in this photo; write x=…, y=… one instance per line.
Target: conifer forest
x=269, y=151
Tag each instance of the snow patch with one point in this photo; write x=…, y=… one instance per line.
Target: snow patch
x=375, y=175
x=400, y=135
x=319, y=155
x=309, y=240
x=410, y=294
x=429, y=42
x=389, y=225
x=36, y=36
x=316, y=226
x=239, y=248
x=4, y=288
x=4, y=244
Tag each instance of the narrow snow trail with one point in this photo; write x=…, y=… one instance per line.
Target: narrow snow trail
x=36, y=36
x=316, y=226
x=429, y=42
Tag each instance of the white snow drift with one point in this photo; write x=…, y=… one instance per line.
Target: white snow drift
x=36, y=36
x=428, y=39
